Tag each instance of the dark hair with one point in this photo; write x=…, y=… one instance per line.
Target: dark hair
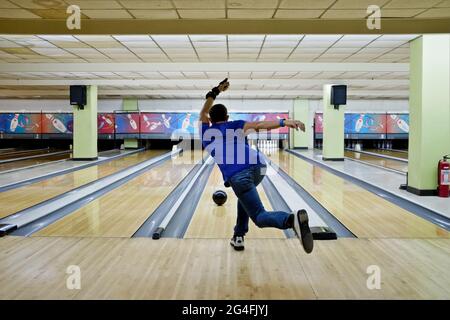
x=218, y=112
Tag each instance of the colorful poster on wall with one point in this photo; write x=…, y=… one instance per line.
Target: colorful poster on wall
x=105, y=123
x=21, y=123
x=318, y=123
x=361, y=123
x=398, y=123
x=57, y=123
x=127, y=122
x=253, y=117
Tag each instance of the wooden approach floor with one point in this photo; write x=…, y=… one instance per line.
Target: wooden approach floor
x=142, y=268
x=212, y=221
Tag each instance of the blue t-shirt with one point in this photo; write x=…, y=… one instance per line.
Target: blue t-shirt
x=228, y=145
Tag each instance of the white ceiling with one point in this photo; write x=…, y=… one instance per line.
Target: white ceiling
x=204, y=48
x=181, y=66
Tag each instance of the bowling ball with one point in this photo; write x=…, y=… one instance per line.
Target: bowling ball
x=219, y=197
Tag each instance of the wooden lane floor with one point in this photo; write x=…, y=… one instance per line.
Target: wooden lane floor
x=120, y=212
x=14, y=200
x=362, y=212
x=390, y=153
x=31, y=162
x=24, y=153
x=212, y=221
x=379, y=161
x=142, y=268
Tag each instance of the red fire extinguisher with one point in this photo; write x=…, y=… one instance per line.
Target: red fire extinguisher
x=444, y=177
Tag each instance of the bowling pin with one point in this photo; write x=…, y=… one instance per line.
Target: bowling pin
x=146, y=121
x=400, y=123
x=359, y=123
x=166, y=121
x=186, y=122
x=155, y=125
x=132, y=122
x=107, y=120
x=14, y=122
x=57, y=123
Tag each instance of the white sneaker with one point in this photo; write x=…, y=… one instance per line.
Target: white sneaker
x=237, y=243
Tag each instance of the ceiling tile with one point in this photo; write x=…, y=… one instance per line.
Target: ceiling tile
x=202, y=14
x=298, y=14
x=107, y=14
x=357, y=4
x=199, y=4
x=444, y=4
x=209, y=38
x=133, y=38
x=95, y=4
x=250, y=4
x=400, y=13
x=5, y=4
x=33, y=4
x=17, y=14
x=250, y=14
x=154, y=14
x=146, y=4
x=139, y=44
x=345, y=14
x=306, y=4
x=410, y=4
x=435, y=13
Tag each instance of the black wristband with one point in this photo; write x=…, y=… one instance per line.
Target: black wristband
x=216, y=91
x=213, y=93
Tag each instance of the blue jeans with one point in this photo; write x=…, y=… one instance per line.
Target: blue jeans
x=249, y=204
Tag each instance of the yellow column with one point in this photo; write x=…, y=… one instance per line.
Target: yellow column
x=85, y=128
x=333, y=128
x=130, y=105
x=429, y=137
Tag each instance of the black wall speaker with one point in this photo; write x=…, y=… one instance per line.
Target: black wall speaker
x=78, y=96
x=338, y=95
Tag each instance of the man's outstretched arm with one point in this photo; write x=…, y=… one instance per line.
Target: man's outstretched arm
x=210, y=97
x=268, y=125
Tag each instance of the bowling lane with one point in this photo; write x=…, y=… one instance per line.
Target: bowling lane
x=212, y=221
x=120, y=212
x=14, y=200
x=31, y=162
x=390, y=153
x=6, y=150
x=25, y=153
x=362, y=212
x=379, y=161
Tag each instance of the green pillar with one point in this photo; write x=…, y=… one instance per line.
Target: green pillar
x=301, y=112
x=333, y=128
x=429, y=137
x=85, y=128
x=130, y=105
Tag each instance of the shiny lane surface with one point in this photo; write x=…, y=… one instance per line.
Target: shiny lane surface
x=14, y=200
x=382, y=162
x=120, y=212
x=362, y=212
x=212, y=221
x=31, y=162
x=391, y=153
